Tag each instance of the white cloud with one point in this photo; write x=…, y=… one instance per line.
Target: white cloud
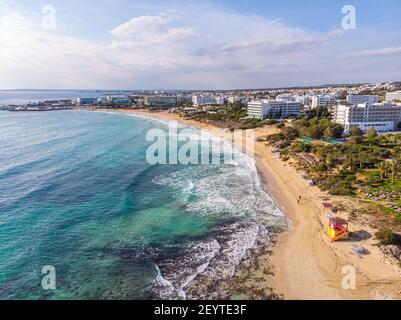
x=151, y=30
x=377, y=52
x=140, y=27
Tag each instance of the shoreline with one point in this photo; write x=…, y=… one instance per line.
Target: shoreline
x=305, y=264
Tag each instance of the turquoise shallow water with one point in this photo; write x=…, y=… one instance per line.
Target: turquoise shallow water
x=77, y=193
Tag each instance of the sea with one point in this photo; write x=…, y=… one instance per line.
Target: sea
x=78, y=195
x=8, y=97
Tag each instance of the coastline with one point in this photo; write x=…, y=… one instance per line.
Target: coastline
x=305, y=264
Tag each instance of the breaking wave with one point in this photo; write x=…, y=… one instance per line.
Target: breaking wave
x=228, y=191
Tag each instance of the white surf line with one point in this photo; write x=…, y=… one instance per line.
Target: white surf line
x=251, y=162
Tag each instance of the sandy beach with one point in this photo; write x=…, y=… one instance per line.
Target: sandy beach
x=305, y=264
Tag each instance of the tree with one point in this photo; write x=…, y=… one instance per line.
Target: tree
x=382, y=167
x=371, y=133
x=350, y=164
x=361, y=159
x=322, y=112
x=313, y=132
x=355, y=139
x=318, y=112
x=237, y=105
x=393, y=167
x=300, y=146
x=334, y=131
x=356, y=132
x=290, y=133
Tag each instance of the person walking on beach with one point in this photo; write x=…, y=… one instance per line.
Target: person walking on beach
x=299, y=199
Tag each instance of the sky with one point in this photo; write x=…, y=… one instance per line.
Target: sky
x=186, y=44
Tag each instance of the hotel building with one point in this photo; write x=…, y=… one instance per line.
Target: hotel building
x=121, y=102
x=327, y=101
x=86, y=101
x=184, y=98
x=233, y=99
x=356, y=99
x=302, y=99
x=285, y=97
x=272, y=108
x=383, y=117
x=160, y=101
x=393, y=96
x=202, y=100
x=220, y=100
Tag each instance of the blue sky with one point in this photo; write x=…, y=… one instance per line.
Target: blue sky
x=197, y=44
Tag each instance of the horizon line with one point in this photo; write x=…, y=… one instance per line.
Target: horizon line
x=237, y=89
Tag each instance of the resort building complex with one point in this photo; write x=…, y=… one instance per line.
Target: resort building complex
x=274, y=109
x=383, y=117
x=350, y=106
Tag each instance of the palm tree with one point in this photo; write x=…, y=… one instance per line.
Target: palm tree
x=382, y=169
x=393, y=167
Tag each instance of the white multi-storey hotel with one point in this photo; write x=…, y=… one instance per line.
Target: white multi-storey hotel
x=220, y=100
x=326, y=100
x=273, y=108
x=393, y=96
x=356, y=99
x=285, y=97
x=160, y=100
x=202, y=100
x=383, y=117
x=234, y=99
x=302, y=99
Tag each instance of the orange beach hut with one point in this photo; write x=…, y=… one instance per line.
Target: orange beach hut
x=337, y=229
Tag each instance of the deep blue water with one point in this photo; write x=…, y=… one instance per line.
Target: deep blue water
x=77, y=193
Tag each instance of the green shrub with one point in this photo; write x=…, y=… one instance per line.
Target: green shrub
x=355, y=139
x=320, y=167
x=341, y=191
x=356, y=131
x=334, y=131
x=290, y=133
x=300, y=146
x=283, y=144
x=371, y=133
x=386, y=236
x=271, y=122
